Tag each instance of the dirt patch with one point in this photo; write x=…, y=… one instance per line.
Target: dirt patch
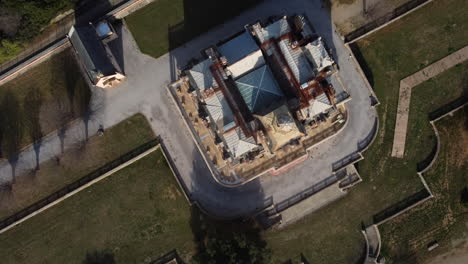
x=457, y=255
x=171, y=193
x=349, y=15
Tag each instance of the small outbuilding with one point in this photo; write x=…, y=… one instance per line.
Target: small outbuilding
x=90, y=45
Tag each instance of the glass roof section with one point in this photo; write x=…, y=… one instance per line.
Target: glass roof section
x=259, y=89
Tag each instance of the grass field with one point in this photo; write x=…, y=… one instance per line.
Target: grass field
x=167, y=24
x=105, y=218
x=43, y=99
x=75, y=164
x=332, y=235
x=443, y=218
x=137, y=214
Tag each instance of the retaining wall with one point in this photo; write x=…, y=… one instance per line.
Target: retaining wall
x=78, y=185
x=128, y=7
x=385, y=20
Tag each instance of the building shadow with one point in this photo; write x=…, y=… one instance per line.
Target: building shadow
x=92, y=10
x=202, y=15
x=223, y=202
x=362, y=61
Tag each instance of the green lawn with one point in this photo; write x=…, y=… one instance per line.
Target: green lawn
x=166, y=24
x=75, y=163
x=42, y=100
x=333, y=235
x=137, y=214
x=442, y=218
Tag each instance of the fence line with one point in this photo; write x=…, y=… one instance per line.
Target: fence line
x=79, y=185
x=38, y=57
x=364, y=143
x=175, y=172
x=283, y=205
x=347, y=160
x=401, y=206
x=386, y=19
x=35, y=48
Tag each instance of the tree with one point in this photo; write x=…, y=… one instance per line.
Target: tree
x=233, y=242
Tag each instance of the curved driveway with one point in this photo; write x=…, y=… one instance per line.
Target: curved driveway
x=144, y=91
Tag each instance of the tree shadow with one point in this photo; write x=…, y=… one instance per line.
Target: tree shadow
x=211, y=202
x=12, y=126
x=61, y=111
x=99, y=257
x=72, y=77
x=33, y=101
x=85, y=110
x=219, y=240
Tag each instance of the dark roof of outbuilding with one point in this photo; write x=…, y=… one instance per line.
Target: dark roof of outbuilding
x=91, y=51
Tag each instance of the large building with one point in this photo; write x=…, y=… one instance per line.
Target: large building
x=263, y=96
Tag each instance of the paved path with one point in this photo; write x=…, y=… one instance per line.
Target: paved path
x=411, y=81
x=373, y=240
x=311, y=204
x=144, y=91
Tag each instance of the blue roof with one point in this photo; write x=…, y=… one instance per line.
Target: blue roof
x=259, y=89
x=238, y=47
